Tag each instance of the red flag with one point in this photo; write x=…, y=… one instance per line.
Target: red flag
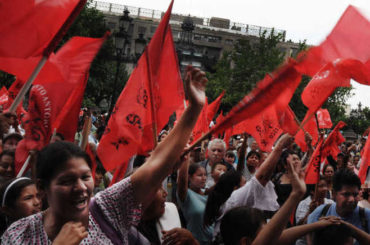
x=349, y=39
x=335, y=138
x=287, y=121
x=311, y=128
x=322, y=86
x=93, y=160
x=213, y=107
x=276, y=90
x=28, y=26
x=202, y=125
x=119, y=173
x=313, y=167
x=48, y=97
x=130, y=129
x=21, y=154
x=365, y=161
x=323, y=117
x=220, y=117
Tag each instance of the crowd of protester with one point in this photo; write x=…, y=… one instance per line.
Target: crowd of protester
x=218, y=193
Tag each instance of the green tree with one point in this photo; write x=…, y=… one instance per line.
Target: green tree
x=359, y=119
x=238, y=71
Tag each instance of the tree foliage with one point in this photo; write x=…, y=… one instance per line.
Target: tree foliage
x=238, y=71
x=359, y=119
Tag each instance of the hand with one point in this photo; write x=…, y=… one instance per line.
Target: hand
x=329, y=220
x=284, y=141
x=296, y=179
x=195, y=85
x=72, y=233
x=178, y=236
x=6, y=120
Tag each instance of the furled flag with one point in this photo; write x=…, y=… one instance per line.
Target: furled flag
x=213, y=107
x=153, y=92
x=311, y=128
x=335, y=138
x=313, y=166
x=287, y=121
x=27, y=27
x=277, y=89
x=348, y=40
x=365, y=161
x=202, y=125
x=323, y=118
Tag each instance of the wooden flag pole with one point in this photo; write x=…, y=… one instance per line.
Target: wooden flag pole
x=85, y=132
x=27, y=85
x=24, y=167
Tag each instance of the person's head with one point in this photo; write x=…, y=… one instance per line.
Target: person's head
x=216, y=150
x=340, y=158
x=19, y=198
x=63, y=173
x=156, y=208
x=10, y=141
x=218, y=169
x=350, y=166
x=289, y=156
x=7, y=165
x=230, y=157
x=241, y=225
x=356, y=159
x=346, y=187
x=227, y=183
x=334, y=234
x=254, y=146
x=162, y=135
x=99, y=175
x=253, y=159
x=328, y=172
x=322, y=188
x=57, y=137
x=197, y=177
x=344, y=148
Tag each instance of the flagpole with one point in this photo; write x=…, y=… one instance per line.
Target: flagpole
x=152, y=105
x=24, y=167
x=48, y=50
x=27, y=85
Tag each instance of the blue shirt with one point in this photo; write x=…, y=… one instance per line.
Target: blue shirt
x=193, y=209
x=354, y=219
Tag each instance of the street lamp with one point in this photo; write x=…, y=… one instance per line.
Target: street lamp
x=121, y=40
x=140, y=44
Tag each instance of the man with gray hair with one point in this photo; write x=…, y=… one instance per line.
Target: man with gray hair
x=216, y=153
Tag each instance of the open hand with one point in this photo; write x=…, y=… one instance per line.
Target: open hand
x=285, y=141
x=296, y=179
x=195, y=85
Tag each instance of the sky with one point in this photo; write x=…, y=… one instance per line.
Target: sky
x=310, y=20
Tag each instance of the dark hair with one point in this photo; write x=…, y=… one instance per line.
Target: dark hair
x=251, y=153
x=218, y=163
x=218, y=196
x=12, y=136
x=365, y=194
x=334, y=234
x=53, y=157
x=241, y=222
x=13, y=192
x=60, y=135
x=281, y=165
x=345, y=177
x=311, y=187
x=193, y=168
x=230, y=154
x=326, y=166
x=7, y=153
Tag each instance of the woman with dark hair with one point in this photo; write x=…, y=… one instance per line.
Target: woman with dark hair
x=19, y=198
x=6, y=165
x=64, y=173
x=328, y=172
x=281, y=181
x=228, y=182
x=192, y=200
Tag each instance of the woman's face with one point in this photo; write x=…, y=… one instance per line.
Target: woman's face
x=7, y=167
x=329, y=172
x=27, y=203
x=293, y=158
x=322, y=189
x=157, y=207
x=70, y=190
x=198, y=179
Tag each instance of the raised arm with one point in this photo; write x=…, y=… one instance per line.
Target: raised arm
x=271, y=232
x=241, y=158
x=182, y=180
x=148, y=178
x=264, y=173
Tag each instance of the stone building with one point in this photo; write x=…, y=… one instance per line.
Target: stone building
x=209, y=36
